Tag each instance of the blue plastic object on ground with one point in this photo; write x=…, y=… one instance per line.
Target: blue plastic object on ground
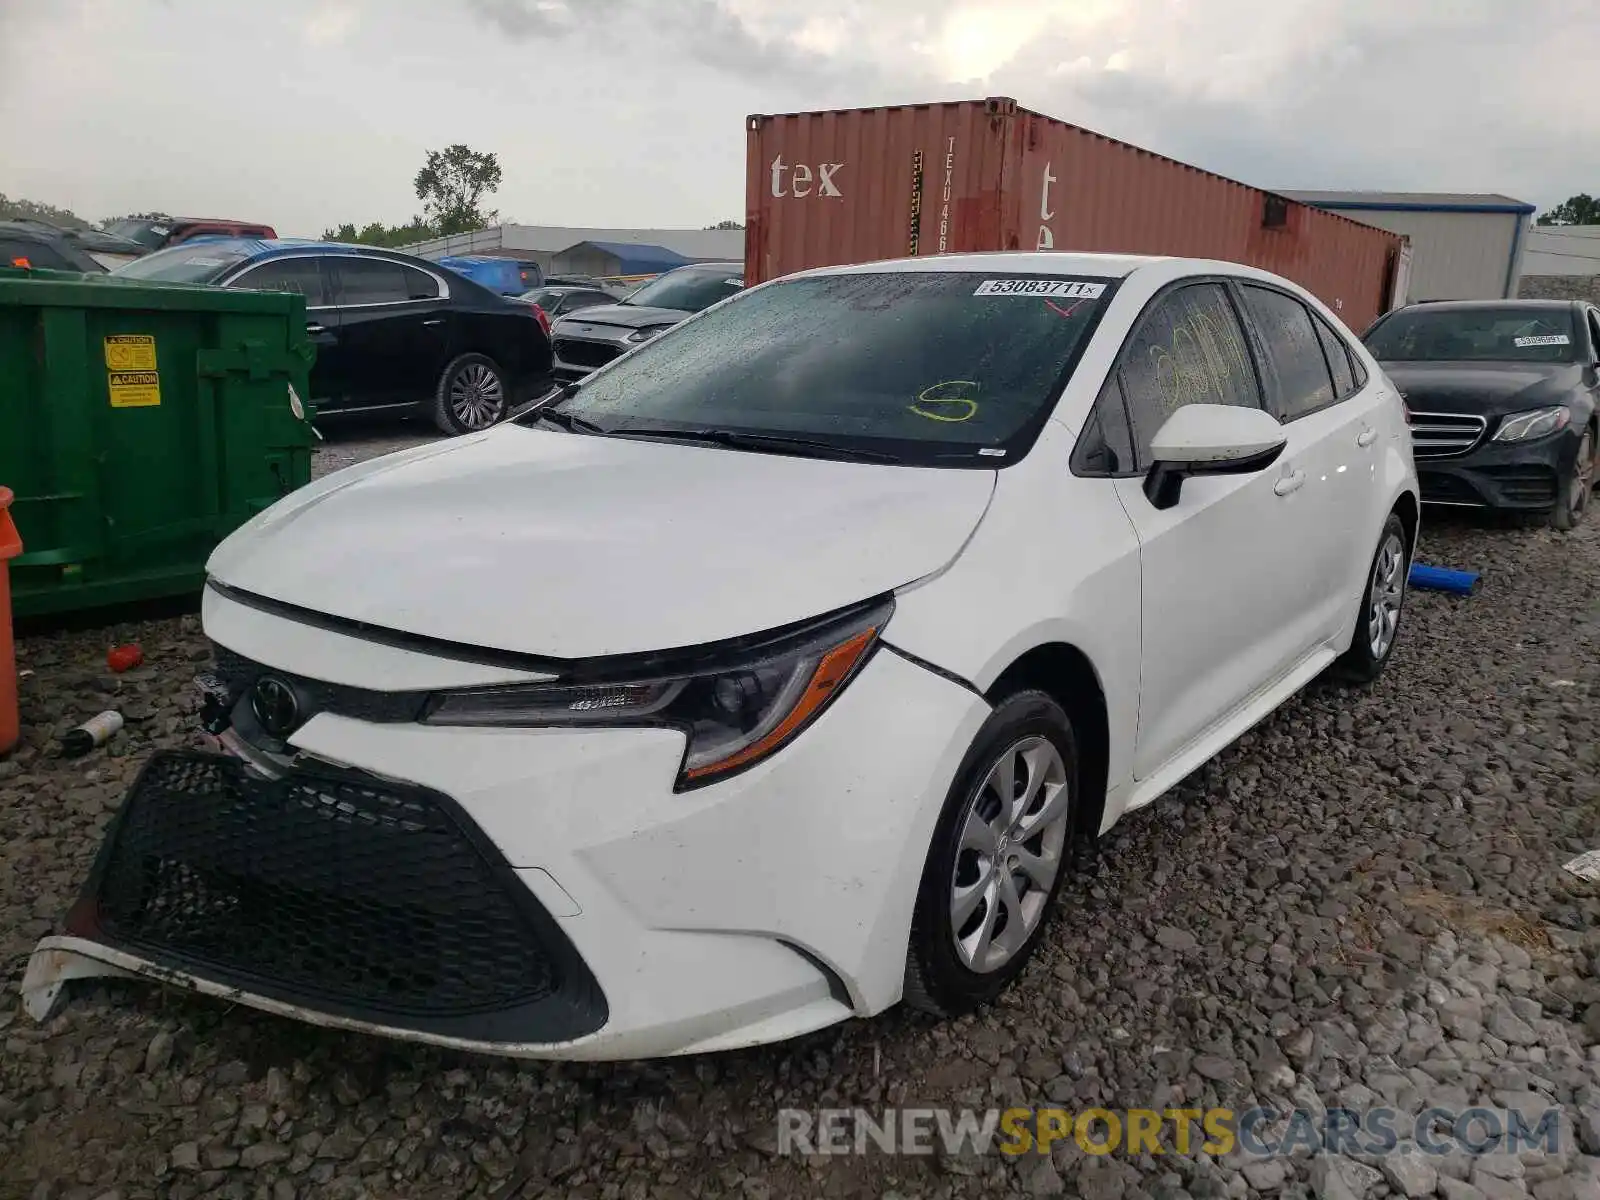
x=1442, y=579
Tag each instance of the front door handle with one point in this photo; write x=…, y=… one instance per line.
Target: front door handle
x=1367, y=437
x=314, y=330
x=1290, y=483
x=435, y=321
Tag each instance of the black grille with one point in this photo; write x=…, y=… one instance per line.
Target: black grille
x=336, y=891
x=585, y=354
x=1520, y=484
x=239, y=673
x=1447, y=489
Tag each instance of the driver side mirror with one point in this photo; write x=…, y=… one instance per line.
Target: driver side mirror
x=1210, y=439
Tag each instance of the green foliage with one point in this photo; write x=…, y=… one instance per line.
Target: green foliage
x=452, y=185
x=727, y=225
x=378, y=234
x=1582, y=209
x=33, y=210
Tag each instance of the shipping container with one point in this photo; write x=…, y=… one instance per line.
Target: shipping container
x=860, y=185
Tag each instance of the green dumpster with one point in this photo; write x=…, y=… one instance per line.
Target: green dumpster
x=140, y=423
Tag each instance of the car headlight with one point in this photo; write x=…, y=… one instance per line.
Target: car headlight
x=1536, y=424
x=736, y=704
x=645, y=334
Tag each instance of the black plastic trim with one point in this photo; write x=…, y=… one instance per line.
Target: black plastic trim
x=964, y=684
x=575, y=1009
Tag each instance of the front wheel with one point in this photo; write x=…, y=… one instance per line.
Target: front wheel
x=1382, y=602
x=471, y=395
x=1576, y=487
x=997, y=860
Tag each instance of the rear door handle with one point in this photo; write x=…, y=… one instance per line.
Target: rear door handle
x=435, y=321
x=313, y=330
x=1367, y=437
x=1290, y=483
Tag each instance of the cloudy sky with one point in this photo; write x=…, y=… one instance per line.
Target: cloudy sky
x=306, y=113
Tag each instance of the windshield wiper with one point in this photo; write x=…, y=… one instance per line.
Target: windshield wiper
x=770, y=443
x=571, y=422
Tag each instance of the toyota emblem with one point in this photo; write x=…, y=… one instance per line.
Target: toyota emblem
x=275, y=705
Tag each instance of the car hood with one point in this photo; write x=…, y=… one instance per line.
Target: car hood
x=1483, y=389
x=625, y=316
x=570, y=546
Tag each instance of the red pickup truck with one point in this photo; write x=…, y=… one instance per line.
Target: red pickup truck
x=158, y=232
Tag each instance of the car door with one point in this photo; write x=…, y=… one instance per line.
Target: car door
x=1331, y=459
x=393, y=330
x=1221, y=601
x=306, y=274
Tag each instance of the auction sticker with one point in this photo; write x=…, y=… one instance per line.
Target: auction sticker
x=134, y=389
x=1547, y=339
x=130, y=352
x=1074, y=288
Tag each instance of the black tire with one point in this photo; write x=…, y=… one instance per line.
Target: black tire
x=471, y=396
x=1576, y=487
x=937, y=979
x=1361, y=663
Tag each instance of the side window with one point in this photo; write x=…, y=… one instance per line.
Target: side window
x=1294, y=352
x=38, y=254
x=420, y=285
x=1190, y=349
x=1594, y=332
x=371, y=281
x=1105, y=447
x=303, y=275
x=1344, y=377
x=585, y=300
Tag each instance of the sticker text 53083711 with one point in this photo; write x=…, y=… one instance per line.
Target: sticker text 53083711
x=1075, y=288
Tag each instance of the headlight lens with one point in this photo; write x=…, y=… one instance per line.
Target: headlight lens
x=740, y=706
x=1526, y=426
x=644, y=335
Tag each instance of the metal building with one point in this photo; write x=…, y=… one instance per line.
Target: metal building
x=542, y=244
x=1463, y=246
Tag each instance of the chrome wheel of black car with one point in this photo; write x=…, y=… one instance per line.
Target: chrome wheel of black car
x=1579, y=486
x=471, y=395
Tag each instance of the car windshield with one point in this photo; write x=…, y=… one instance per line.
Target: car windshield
x=687, y=289
x=1474, y=334
x=946, y=368
x=199, y=262
x=145, y=232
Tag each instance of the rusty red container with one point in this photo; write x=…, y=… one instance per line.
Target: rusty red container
x=858, y=185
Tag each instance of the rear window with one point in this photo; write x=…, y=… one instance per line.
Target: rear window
x=1475, y=334
x=199, y=263
x=933, y=367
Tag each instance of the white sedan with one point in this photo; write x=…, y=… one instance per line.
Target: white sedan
x=761, y=680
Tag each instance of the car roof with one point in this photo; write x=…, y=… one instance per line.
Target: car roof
x=1469, y=305
x=1116, y=266
x=263, y=248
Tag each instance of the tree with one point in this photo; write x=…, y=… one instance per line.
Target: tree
x=1582, y=209
x=727, y=225
x=33, y=210
x=378, y=234
x=452, y=185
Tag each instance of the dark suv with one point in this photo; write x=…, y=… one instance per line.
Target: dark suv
x=1501, y=396
x=392, y=332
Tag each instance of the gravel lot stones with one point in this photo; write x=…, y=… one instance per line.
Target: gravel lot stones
x=1360, y=903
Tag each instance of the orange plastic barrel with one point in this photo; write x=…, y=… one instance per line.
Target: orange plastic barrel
x=10, y=547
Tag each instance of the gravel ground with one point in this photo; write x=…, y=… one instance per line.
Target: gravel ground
x=1361, y=902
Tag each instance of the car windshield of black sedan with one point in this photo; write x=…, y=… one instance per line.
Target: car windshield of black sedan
x=927, y=366
x=1486, y=334
x=687, y=289
x=198, y=262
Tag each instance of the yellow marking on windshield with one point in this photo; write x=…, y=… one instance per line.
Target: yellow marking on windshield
x=927, y=397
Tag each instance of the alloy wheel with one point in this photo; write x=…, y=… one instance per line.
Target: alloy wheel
x=1013, y=836
x=477, y=396
x=1386, y=596
x=1582, y=478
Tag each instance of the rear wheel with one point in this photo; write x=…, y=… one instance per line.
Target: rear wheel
x=471, y=395
x=1577, y=487
x=997, y=860
x=1382, y=602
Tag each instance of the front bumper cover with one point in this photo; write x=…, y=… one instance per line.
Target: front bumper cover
x=1522, y=476
x=373, y=904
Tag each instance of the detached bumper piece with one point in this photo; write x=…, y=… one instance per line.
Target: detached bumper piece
x=337, y=893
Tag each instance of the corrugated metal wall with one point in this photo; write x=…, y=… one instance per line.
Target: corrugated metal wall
x=859, y=185
x=1454, y=255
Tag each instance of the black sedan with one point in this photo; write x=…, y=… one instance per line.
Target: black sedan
x=1502, y=399
x=392, y=332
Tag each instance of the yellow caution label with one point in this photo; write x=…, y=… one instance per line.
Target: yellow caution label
x=130, y=352
x=134, y=389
